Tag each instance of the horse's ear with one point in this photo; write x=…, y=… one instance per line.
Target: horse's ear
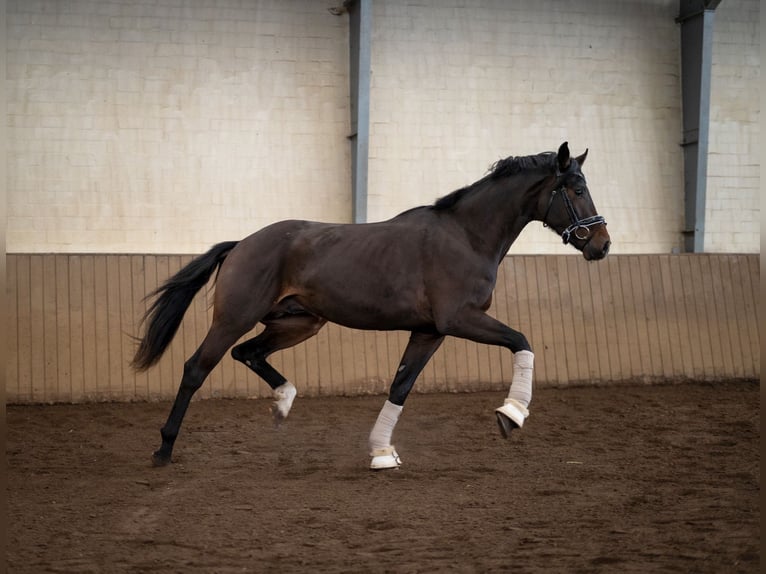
x=581, y=159
x=562, y=157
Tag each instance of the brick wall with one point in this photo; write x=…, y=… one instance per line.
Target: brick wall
x=733, y=185
x=457, y=87
x=166, y=126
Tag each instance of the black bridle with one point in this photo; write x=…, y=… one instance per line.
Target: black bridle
x=577, y=223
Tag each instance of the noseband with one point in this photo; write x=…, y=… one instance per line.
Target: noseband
x=577, y=223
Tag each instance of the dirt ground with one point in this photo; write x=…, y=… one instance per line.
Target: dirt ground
x=609, y=479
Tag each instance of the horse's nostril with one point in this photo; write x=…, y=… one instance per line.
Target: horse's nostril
x=606, y=247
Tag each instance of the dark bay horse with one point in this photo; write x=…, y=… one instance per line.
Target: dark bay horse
x=430, y=271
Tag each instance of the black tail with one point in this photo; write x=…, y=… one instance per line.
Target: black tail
x=175, y=296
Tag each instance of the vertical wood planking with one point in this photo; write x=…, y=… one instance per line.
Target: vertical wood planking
x=506, y=313
x=361, y=377
x=537, y=332
x=585, y=334
x=383, y=365
x=639, y=311
x=750, y=304
x=127, y=327
x=702, y=313
x=309, y=376
x=335, y=385
x=633, y=342
x=716, y=306
x=743, y=310
x=676, y=317
x=12, y=388
x=555, y=319
x=176, y=349
x=61, y=286
x=89, y=327
x=709, y=314
x=37, y=328
x=323, y=367
x=24, y=382
x=572, y=345
x=753, y=322
x=154, y=383
x=76, y=329
x=301, y=369
x=140, y=381
x=163, y=370
x=101, y=314
x=115, y=388
x=687, y=284
x=629, y=317
x=652, y=281
x=611, y=321
x=626, y=359
x=50, y=329
x=650, y=325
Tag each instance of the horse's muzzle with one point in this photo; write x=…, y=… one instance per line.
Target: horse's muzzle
x=597, y=247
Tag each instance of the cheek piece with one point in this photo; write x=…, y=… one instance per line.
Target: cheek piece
x=580, y=227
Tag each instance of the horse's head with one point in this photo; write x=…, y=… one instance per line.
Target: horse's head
x=569, y=211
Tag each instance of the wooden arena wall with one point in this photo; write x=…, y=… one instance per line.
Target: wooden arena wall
x=646, y=318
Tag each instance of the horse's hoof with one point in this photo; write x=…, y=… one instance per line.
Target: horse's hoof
x=505, y=424
x=385, y=458
x=510, y=416
x=284, y=396
x=160, y=460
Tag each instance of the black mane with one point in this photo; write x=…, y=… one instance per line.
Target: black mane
x=501, y=168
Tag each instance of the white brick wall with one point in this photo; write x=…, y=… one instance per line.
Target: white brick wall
x=167, y=126
x=457, y=85
x=732, y=214
x=164, y=126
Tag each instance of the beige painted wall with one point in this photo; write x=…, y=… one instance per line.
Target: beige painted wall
x=457, y=88
x=168, y=126
x=732, y=206
x=165, y=127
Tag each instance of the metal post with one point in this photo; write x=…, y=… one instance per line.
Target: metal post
x=360, y=34
x=696, y=19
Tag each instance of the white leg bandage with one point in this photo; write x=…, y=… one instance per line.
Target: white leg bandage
x=382, y=452
x=284, y=395
x=514, y=410
x=380, y=437
x=521, y=384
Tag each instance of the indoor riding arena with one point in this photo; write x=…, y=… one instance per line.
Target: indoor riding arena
x=141, y=133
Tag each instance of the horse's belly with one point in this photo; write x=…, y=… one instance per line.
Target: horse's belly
x=368, y=309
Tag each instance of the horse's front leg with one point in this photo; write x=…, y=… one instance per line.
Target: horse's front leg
x=420, y=349
x=477, y=326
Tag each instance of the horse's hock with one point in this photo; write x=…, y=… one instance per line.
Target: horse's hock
x=627, y=318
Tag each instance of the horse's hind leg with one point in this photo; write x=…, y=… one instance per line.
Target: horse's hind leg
x=281, y=332
x=196, y=369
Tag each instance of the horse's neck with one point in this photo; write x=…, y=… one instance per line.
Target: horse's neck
x=495, y=213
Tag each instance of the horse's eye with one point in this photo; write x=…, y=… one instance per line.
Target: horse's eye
x=579, y=190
